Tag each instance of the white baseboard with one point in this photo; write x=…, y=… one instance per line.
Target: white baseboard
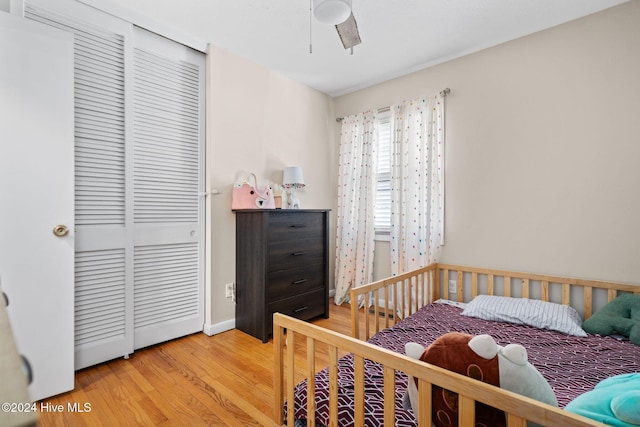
x=217, y=328
x=227, y=325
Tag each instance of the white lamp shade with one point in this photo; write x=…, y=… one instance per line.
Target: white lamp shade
x=292, y=177
x=331, y=11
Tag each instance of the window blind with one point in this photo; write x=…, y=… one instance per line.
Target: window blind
x=382, y=208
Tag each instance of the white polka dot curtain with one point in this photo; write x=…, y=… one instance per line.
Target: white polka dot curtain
x=417, y=183
x=356, y=194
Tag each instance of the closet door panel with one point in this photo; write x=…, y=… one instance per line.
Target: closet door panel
x=168, y=141
x=104, y=248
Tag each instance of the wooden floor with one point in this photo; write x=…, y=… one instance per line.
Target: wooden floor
x=223, y=380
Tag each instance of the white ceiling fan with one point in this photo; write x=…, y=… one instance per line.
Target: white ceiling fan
x=340, y=14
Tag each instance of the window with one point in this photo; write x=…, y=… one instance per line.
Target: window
x=382, y=208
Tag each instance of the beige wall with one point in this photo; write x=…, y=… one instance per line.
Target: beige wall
x=543, y=148
x=542, y=154
x=258, y=121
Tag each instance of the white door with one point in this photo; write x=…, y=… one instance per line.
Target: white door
x=36, y=195
x=103, y=246
x=139, y=147
x=168, y=170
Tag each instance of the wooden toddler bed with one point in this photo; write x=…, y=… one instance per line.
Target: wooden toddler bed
x=365, y=380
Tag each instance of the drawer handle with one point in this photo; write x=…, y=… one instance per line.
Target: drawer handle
x=298, y=225
x=298, y=310
x=299, y=253
x=297, y=282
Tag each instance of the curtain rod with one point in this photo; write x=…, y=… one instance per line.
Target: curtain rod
x=443, y=92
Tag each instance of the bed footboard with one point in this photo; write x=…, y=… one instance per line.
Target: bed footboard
x=287, y=374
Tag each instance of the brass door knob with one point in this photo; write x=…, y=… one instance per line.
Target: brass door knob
x=60, y=230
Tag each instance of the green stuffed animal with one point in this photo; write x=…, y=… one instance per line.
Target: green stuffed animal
x=620, y=316
x=615, y=401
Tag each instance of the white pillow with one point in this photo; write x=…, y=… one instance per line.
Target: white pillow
x=524, y=311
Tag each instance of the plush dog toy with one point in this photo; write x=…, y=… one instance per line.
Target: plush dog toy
x=615, y=401
x=479, y=357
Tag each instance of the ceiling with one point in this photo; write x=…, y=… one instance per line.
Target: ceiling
x=398, y=36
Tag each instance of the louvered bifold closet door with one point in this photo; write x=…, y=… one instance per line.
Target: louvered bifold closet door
x=103, y=274
x=139, y=183
x=168, y=140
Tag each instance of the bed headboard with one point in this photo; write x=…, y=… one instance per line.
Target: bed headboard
x=420, y=287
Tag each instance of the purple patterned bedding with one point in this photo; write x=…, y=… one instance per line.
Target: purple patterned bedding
x=572, y=365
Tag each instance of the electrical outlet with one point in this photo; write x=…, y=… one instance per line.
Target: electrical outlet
x=453, y=287
x=228, y=290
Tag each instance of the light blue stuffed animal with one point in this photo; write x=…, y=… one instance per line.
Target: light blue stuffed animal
x=614, y=401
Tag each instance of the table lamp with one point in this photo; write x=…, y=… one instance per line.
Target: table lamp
x=292, y=178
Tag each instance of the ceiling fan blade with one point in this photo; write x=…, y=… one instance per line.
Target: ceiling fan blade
x=348, y=32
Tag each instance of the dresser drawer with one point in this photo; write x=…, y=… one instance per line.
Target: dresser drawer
x=289, y=226
x=305, y=306
x=285, y=255
x=288, y=283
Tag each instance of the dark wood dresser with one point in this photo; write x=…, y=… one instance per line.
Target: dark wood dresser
x=282, y=266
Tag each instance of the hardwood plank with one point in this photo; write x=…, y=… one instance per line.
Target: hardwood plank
x=197, y=380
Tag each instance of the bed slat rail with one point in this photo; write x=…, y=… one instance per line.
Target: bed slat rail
x=536, y=286
x=406, y=292
x=517, y=408
x=417, y=288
